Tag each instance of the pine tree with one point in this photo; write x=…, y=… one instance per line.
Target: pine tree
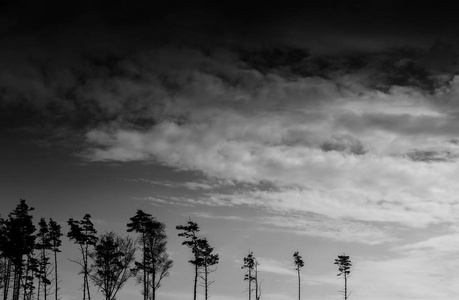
x=190, y=232
x=43, y=245
x=208, y=259
x=18, y=243
x=157, y=259
x=250, y=264
x=344, y=267
x=5, y=262
x=31, y=271
x=83, y=233
x=155, y=263
x=55, y=239
x=138, y=224
x=299, y=263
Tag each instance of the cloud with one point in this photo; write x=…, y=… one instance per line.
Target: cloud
x=420, y=274
x=407, y=278
x=192, y=185
x=188, y=201
x=440, y=246
x=270, y=265
x=372, y=187
x=214, y=216
x=318, y=127
x=422, y=269
x=333, y=229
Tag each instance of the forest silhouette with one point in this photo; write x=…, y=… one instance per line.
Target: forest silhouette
x=29, y=268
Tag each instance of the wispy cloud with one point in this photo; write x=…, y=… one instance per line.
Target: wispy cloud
x=408, y=277
x=192, y=185
x=419, y=270
x=188, y=201
x=214, y=216
x=275, y=266
x=333, y=229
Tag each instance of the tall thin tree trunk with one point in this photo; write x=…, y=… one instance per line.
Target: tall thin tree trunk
x=15, y=274
x=195, y=281
x=24, y=287
x=39, y=285
x=205, y=281
x=153, y=282
x=345, y=286
x=256, y=282
x=55, y=275
x=147, y=292
x=299, y=284
x=250, y=284
x=86, y=271
x=17, y=279
x=45, y=294
x=30, y=296
x=6, y=280
x=145, y=283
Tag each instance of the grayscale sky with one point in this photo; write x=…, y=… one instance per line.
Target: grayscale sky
x=321, y=127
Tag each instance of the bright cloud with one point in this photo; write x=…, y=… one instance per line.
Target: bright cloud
x=370, y=186
x=334, y=147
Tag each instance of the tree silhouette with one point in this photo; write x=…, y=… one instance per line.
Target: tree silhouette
x=157, y=259
x=155, y=263
x=43, y=244
x=55, y=240
x=257, y=284
x=6, y=265
x=251, y=275
x=138, y=224
x=299, y=263
x=112, y=257
x=83, y=233
x=18, y=242
x=189, y=232
x=344, y=267
x=207, y=260
x=32, y=270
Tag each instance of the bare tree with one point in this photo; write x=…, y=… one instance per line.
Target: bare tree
x=112, y=258
x=344, y=267
x=299, y=263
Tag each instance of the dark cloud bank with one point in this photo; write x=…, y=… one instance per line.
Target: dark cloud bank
x=68, y=68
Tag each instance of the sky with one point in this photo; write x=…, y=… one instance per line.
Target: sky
x=325, y=127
